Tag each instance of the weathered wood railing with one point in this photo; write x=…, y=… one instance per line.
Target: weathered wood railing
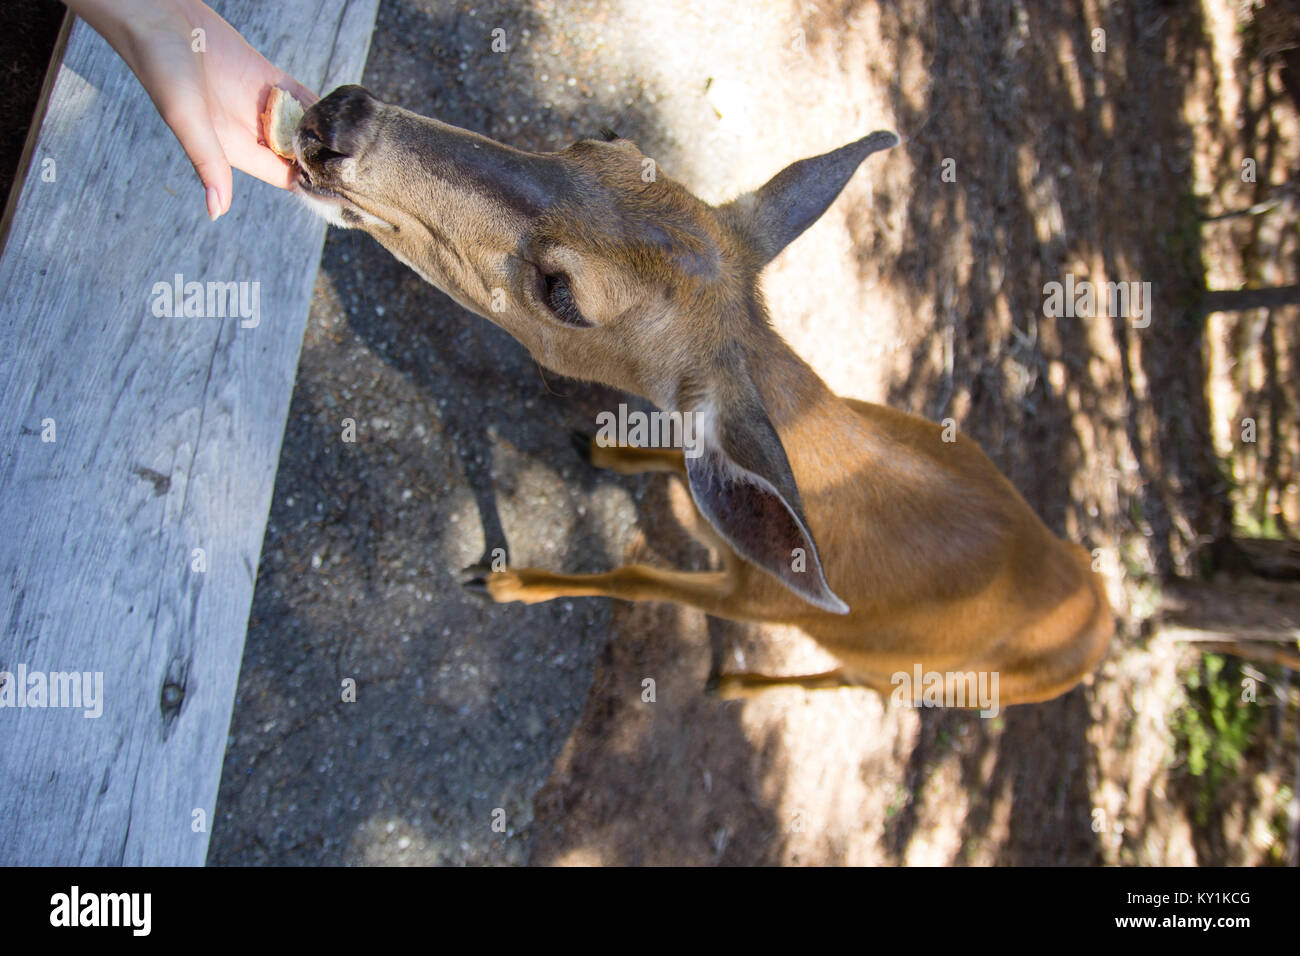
x=138, y=452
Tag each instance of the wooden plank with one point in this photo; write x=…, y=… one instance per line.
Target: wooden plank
x=166, y=437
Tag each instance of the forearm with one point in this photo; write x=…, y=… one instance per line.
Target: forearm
x=129, y=25
x=123, y=22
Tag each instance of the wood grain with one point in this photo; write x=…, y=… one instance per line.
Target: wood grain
x=167, y=434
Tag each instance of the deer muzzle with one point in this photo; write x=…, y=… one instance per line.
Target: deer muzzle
x=353, y=146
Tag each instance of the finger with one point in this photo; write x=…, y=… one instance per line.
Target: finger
x=189, y=120
x=256, y=160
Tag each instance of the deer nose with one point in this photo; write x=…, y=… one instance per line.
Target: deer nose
x=337, y=126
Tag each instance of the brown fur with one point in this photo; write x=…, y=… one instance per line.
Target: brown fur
x=939, y=559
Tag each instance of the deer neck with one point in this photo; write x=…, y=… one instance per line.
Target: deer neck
x=823, y=438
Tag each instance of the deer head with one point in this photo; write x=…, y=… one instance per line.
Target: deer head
x=605, y=270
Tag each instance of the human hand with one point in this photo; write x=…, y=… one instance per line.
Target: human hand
x=210, y=87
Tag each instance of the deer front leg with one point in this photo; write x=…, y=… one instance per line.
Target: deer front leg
x=635, y=460
x=708, y=591
x=741, y=686
x=705, y=590
x=629, y=459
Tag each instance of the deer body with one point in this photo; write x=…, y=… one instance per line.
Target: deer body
x=855, y=522
x=940, y=560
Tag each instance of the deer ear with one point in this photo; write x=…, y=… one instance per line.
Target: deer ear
x=796, y=197
x=741, y=481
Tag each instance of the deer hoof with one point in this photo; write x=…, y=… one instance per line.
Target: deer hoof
x=474, y=579
x=725, y=687
x=581, y=444
x=499, y=587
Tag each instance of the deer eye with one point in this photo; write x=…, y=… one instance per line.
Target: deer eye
x=559, y=298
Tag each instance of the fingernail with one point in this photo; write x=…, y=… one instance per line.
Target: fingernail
x=214, y=203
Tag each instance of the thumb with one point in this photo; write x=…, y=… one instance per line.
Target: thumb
x=193, y=127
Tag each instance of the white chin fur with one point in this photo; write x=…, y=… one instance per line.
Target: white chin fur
x=332, y=212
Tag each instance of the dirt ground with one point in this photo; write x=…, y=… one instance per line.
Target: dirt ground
x=921, y=291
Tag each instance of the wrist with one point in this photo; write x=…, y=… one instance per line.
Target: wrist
x=126, y=24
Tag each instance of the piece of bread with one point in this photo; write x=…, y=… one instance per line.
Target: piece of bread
x=280, y=121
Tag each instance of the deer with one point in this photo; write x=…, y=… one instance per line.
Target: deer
x=858, y=524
